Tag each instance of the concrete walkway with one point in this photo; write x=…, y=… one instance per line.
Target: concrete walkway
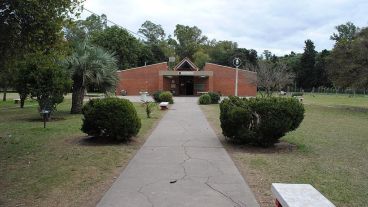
x=181, y=164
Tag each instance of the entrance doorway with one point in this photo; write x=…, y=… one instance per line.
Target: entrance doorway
x=186, y=85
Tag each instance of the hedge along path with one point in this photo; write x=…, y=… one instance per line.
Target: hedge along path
x=181, y=164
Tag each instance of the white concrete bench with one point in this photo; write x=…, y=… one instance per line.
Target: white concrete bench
x=16, y=100
x=164, y=105
x=298, y=195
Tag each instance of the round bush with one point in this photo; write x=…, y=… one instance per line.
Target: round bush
x=204, y=99
x=259, y=121
x=112, y=118
x=156, y=96
x=166, y=96
x=215, y=97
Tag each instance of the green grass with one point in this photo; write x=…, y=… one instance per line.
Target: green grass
x=331, y=154
x=337, y=100
x=56, y=166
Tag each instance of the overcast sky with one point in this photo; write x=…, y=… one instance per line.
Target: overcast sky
x=280, y=26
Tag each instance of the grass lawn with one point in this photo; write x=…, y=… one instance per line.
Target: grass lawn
x=331, y=154
x=58, y=166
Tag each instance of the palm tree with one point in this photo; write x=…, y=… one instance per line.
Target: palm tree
x=90, y=65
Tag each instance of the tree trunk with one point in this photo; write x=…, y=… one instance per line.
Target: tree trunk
x=77, y=98
x=4, y=93
x=22, y=100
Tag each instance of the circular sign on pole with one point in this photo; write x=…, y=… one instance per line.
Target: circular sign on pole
x=236, y=62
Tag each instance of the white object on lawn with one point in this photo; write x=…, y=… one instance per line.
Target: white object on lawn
x=299, y=195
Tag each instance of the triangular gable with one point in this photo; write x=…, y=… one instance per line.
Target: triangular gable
x=185, y=65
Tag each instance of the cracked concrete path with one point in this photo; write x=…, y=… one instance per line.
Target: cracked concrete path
x=181, y=164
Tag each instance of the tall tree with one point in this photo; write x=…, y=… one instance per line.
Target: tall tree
x=125, y=46
x=189, y=40
x=345, y=32
x=200, y=58
x=306, y=75
x=32, y=27
x=348, y=62
x=221, y=52
x=153, y=32
x=36, y=25
x=7, y=77
x=79, y=30
x=321, y=75
x=155, y=42
x=267, y=54
x=248, y=58
x=90, y=65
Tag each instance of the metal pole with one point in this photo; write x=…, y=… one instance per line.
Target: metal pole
x=236, y=81
x=44, y=120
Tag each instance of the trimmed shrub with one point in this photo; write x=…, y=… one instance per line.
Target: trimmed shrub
x=166, y=96
x=112, y=118
x=259, y=121
x=156, y=96
x=204, y=99
x=215, y=97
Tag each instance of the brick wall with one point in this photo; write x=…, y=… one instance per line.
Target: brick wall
x=147, y=78
x=224, y=80
x=139, y=79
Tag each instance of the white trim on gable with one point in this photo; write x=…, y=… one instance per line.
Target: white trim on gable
x=187, y=61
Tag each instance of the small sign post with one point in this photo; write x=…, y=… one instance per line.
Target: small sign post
x=45, y=113
x=236, y=63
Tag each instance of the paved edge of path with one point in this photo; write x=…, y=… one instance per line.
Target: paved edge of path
x=182, y=163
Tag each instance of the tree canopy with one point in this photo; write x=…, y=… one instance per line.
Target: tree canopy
x=153, y=32
x=348, y=62
x=126, y=47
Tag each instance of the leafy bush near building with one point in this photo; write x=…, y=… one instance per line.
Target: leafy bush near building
x=215, y=97
x=259, y=121
x=112, y=118
x=204, y=99
x=166, y=96
x=156, y=96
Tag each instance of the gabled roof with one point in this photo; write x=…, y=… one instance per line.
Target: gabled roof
x=184, y=62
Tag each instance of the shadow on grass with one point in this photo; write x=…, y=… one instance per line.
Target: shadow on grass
x=60, y=115
x=40, y=119
x=100, y=141
x=351, y=108
x=281, y=147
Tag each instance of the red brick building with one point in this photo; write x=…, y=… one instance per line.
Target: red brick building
x=186, y=79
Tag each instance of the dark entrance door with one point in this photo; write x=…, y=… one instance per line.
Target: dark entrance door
x=186, y=85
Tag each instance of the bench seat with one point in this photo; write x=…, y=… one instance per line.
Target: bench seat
x=16, y=100
x=298, y=195
x=164, y=105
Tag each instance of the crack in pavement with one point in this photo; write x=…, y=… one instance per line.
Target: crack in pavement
x=237, y=204
x=188, y=158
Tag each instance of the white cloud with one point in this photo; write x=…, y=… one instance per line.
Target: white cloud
x=279, y=26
